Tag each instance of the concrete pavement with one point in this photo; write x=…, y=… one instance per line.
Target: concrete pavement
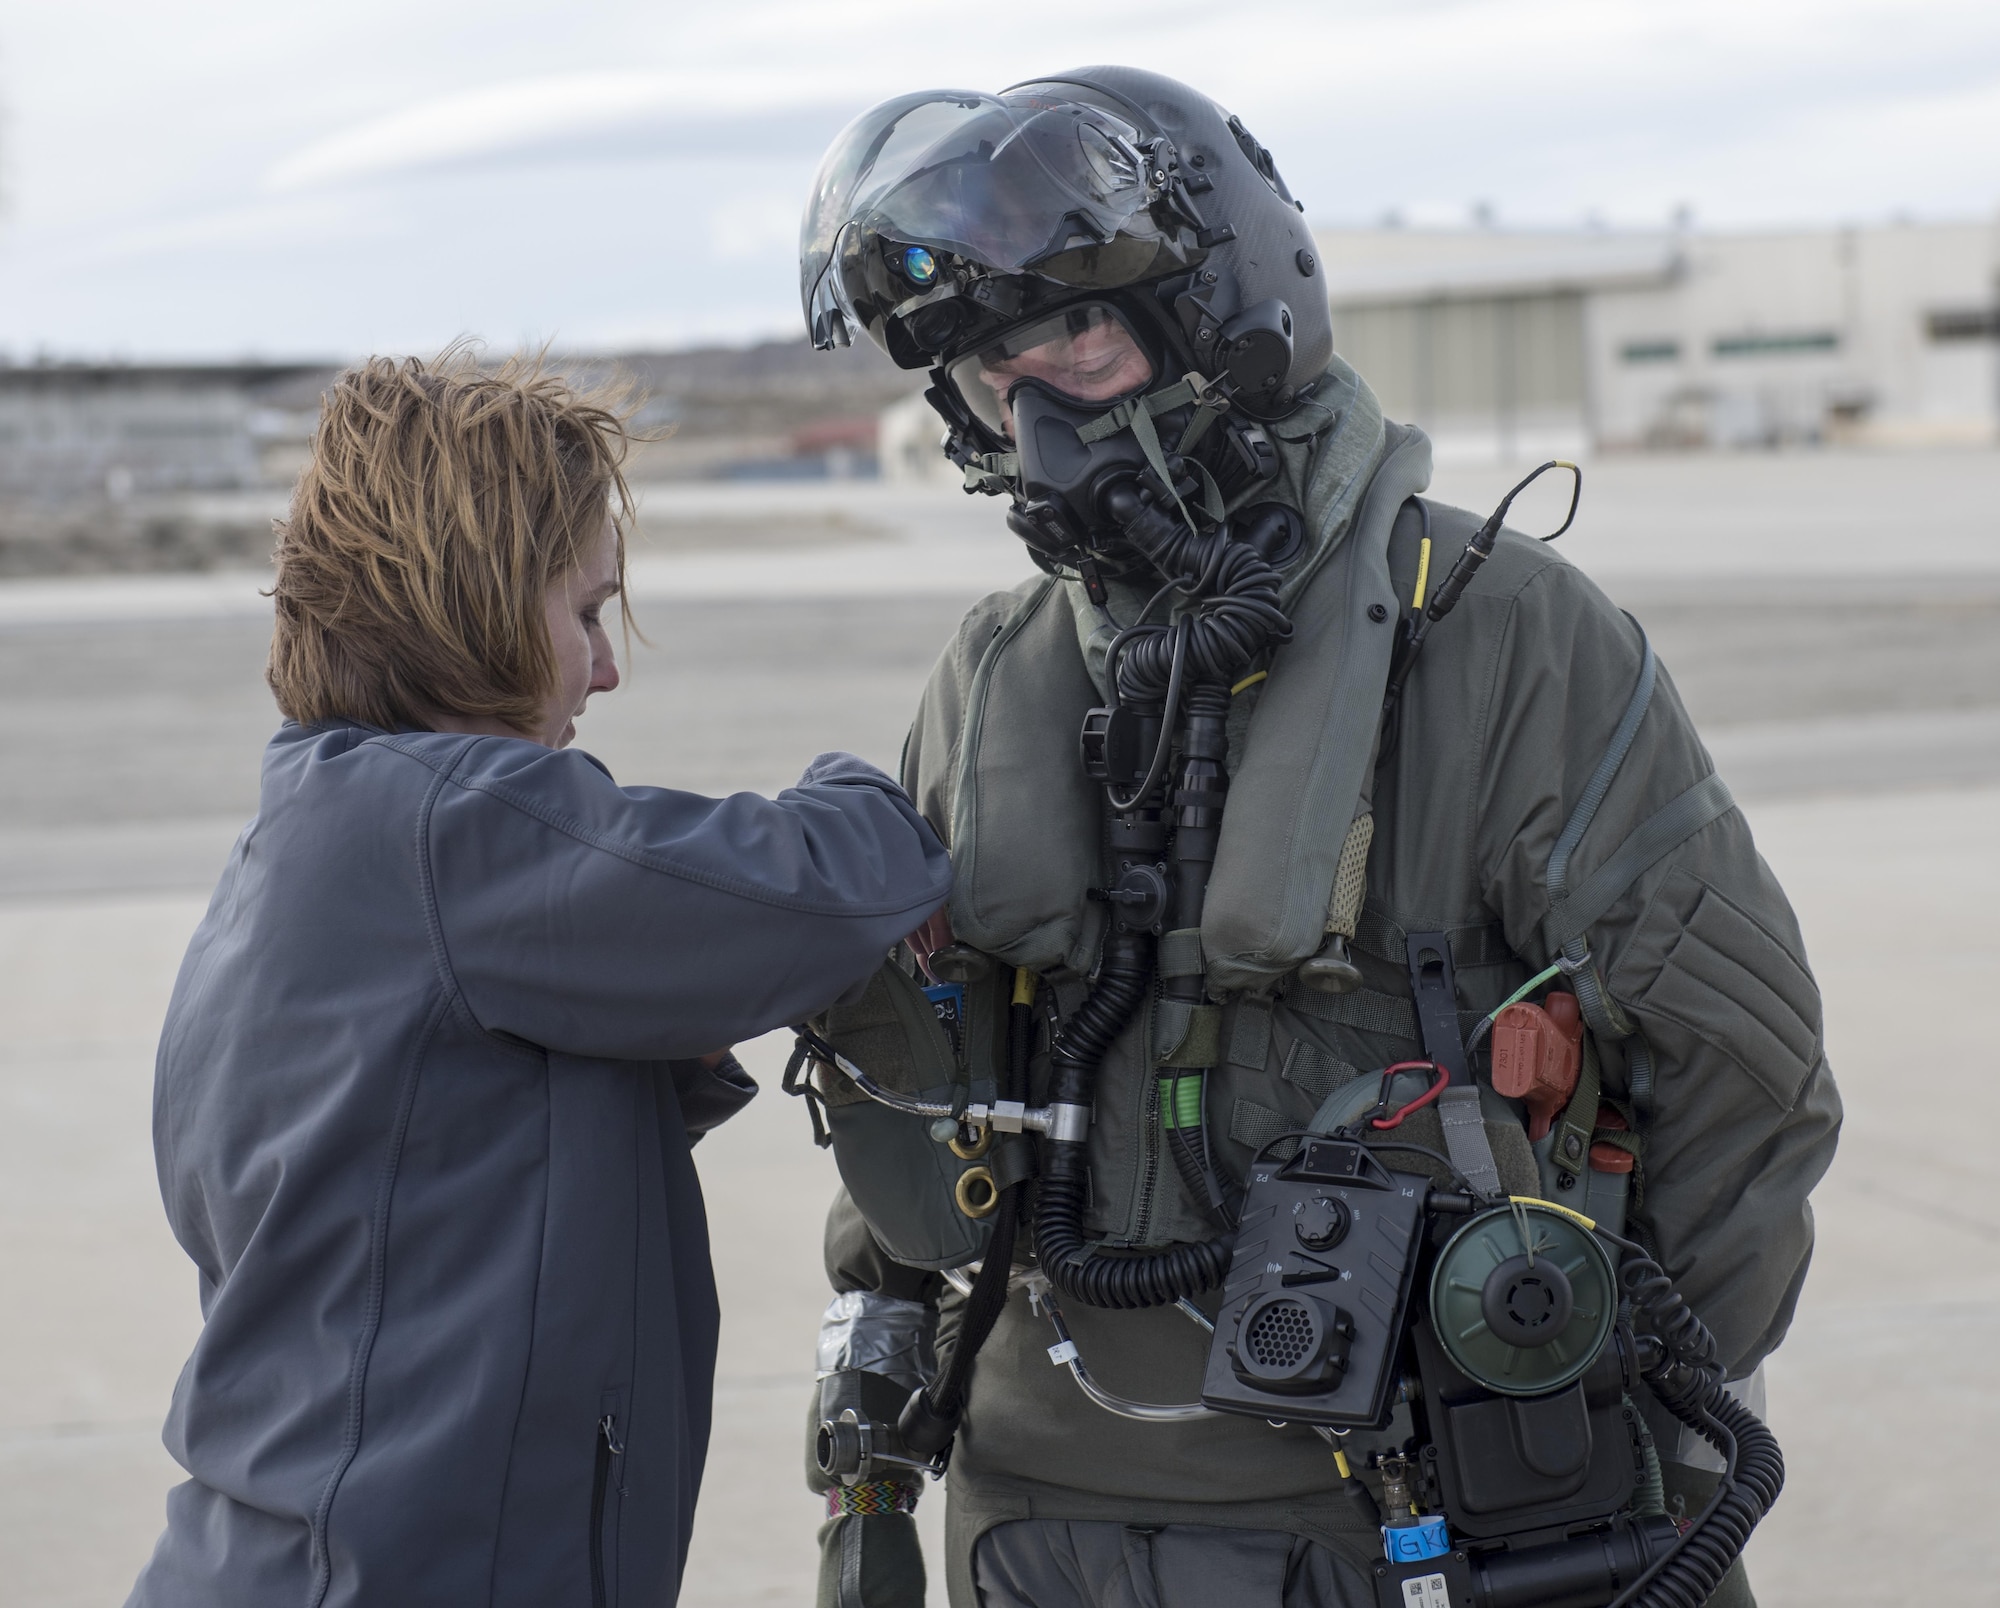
x=1857, y=712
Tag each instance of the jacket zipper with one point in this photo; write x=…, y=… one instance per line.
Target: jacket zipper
x=1149, y=1126
x=600, y=1486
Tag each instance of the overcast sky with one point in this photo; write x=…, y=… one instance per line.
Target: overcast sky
x=228, y=177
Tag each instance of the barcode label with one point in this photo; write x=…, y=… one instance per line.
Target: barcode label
x=1426, y=1591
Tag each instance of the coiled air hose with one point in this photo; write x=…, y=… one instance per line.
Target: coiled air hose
x=1107, y=1279
x=1237, y=617
x=1684, y=1374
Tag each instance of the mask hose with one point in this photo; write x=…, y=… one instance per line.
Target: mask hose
x=1238, y=615
x=1153, y=1278
x=1677, y=1361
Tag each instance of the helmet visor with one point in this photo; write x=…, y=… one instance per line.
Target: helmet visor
x=1015, y=184
x=1085, y=352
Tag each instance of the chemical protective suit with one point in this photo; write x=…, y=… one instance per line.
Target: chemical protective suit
x=1528, y=787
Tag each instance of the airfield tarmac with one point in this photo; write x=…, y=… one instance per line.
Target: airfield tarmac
x=1833, y=621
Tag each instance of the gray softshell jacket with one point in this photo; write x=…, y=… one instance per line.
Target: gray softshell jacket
x=423, y=1109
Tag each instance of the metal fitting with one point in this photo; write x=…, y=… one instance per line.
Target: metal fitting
x=1069, y=1124
x=976, y=1193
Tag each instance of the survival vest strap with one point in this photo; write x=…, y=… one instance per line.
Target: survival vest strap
x=1571, y=914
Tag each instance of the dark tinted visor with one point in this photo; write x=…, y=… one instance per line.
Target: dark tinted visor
x=1021, y=183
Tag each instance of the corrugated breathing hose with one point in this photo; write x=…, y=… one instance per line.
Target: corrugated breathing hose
x=1684, y=1374
x=1109, y=1278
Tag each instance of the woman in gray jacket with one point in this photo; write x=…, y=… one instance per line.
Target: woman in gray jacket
x=437, y=1053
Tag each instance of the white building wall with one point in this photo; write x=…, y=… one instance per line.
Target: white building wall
x=120, y=439
x=908, y=445
x=1722, y=340
x=1800, y=336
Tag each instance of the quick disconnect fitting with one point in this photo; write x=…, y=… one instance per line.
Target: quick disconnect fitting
x=926, y=1431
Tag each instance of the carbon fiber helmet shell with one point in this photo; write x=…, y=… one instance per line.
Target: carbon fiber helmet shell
x=1219, y=238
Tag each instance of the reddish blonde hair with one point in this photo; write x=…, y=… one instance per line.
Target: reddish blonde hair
x=439, y=502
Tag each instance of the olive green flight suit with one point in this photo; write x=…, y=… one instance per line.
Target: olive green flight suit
x=1508, y=712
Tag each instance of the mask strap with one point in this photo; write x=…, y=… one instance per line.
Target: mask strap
x=993, y=471
x=1136, y=414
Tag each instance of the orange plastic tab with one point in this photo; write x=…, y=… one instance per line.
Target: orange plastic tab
x=1537, y=1054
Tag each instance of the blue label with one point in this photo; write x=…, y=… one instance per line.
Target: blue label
x=1412, y=1543
x=948, y=1000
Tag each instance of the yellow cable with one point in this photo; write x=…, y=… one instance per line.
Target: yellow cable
x=1024, y=986
x=1531, y=1200
x=1423, y=572
x=1249, y=681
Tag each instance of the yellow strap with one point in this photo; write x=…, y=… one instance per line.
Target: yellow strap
x=1250, y=680
x=1531, y=1200
x=1024, y=986
x=1423, y=572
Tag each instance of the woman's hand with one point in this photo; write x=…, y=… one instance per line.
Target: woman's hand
x=933, y=935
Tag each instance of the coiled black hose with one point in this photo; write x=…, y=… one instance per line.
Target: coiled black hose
x=1684, y=1374
x=1237, y=618
x=1108, y=1279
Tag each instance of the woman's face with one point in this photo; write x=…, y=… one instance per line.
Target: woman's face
x=574, y=606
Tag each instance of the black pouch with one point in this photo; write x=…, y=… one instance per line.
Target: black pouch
x=928, y=1204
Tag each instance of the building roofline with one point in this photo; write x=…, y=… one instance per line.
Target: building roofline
x=44, y=377
x=1550, y=264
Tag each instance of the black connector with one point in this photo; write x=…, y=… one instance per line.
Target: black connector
x=924, y=1429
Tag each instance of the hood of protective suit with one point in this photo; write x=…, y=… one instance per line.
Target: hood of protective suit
x=1027, y=823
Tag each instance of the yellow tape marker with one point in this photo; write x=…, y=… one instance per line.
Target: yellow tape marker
x=1024, y=986
x=1249, y=681
x=1531, y=1200
x=1423, y=573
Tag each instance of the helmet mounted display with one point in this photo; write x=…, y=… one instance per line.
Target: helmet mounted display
x=1101, y=180
x=1019, y=238
x=927, y=193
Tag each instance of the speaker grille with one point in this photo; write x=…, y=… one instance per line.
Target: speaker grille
x=1281, y=1336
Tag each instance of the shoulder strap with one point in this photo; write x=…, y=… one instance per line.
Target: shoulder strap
x=1607, y=770
x=1665, y=830
x=1572, y=914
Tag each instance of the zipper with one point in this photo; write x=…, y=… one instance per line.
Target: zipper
x=600, y=1486
x=1149, y=1125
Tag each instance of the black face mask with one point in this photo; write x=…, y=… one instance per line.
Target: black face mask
x=1063, y=479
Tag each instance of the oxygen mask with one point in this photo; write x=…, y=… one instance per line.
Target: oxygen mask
x=1092, y=426
x=1048, y=389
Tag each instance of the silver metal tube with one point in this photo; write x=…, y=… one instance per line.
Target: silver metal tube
x=895, y=1102
x=1067, y=1122
x=1070, y=1123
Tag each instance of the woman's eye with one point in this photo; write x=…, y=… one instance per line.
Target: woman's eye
x=592, y=616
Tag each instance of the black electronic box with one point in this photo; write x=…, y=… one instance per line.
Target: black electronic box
x=1313, y=1305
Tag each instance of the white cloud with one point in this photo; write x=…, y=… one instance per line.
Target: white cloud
x=225, y=173
x=535, y=115
x=747, y=228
